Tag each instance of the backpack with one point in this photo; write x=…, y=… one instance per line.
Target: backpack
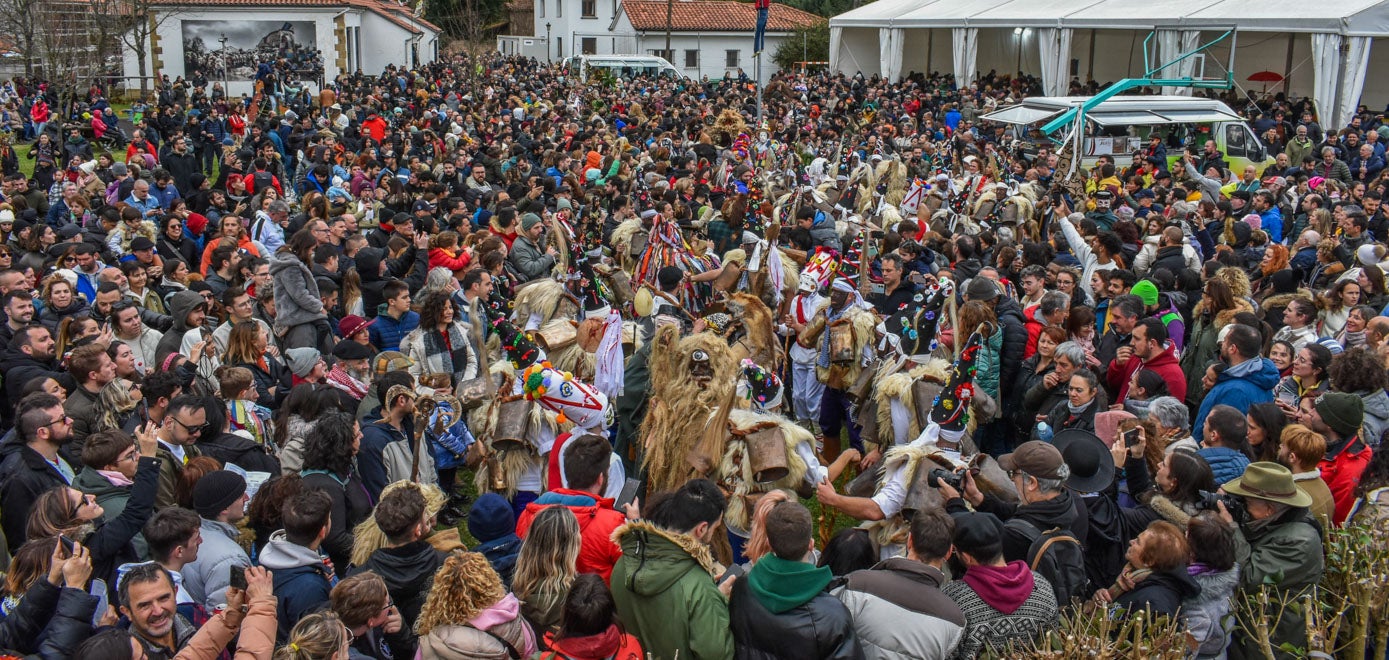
x=1057, y=556
x=262, y=180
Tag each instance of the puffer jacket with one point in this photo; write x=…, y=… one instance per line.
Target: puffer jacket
x=296, y=292
x=1240, y=386
x=1376, y=421
x=783, y=611
x=597, y=522
x=301, y=581
x=52, y=317
x=1014, y=326
x=1286, y=552
x=208, y=578
x=388, y=332
x=1206, y=611
x=1225, y=462
x=478, y=639
x=665, y=593
x=530, y=259
x=49, y=622
x=899, y=610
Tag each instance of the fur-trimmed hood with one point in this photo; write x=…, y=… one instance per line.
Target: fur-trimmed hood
x=1225, y=317
x=662, y=556
x=1171, y=511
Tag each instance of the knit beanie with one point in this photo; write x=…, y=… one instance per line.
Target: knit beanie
x=1147, y=291
x=491, y=518
x=216, y=491
x=302, y=360
x=529, y=220
x=1342, y=411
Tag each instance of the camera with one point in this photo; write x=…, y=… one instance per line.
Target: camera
x=1207, y=501
x=942, y=475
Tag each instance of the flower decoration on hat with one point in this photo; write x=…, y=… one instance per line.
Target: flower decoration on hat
x=951, y=407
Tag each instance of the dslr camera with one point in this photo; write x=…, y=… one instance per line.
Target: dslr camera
x=941, y=475
x=1206, y=501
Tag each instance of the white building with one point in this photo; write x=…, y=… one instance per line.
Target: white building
x=342, y=35
x=707, y=37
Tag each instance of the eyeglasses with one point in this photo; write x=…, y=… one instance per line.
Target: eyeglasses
x=192, y=430
x=60, y=420
x=350, y=637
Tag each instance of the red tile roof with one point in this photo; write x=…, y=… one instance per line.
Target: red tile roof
x=714, y=16
x=392, y=11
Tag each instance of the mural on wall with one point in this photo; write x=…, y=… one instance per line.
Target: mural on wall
x=252, y=49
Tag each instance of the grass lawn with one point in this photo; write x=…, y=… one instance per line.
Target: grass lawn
x=26, y=164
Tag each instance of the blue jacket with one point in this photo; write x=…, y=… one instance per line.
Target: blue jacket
x=1226, y=463
x=302, y=582
x=1304, y=261
x=387, y=333
x=1240, y=386
x=1271, y=220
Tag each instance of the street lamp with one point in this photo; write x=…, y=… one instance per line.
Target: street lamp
x=548, y=57
x=223, y=51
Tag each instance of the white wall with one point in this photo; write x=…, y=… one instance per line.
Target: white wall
x=567, y=25
x=713, y=47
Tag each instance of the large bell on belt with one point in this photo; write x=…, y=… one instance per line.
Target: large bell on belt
x=513, y=424
x=767, y=455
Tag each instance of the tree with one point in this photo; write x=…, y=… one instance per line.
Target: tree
x=137, y=22
x=20, y=19
x=807, y=44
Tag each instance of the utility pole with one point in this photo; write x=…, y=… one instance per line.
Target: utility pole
x=670, y=12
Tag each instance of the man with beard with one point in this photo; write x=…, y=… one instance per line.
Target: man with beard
x=840, y=334
x=241, y=307
x=30, y=355
x=19, y=312
x=351, y=375
x=33, y=467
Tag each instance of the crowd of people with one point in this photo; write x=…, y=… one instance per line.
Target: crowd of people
x=251, y=364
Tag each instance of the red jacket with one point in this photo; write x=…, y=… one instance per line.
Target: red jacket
x=440, y=257
x=1034, y=330
x=1341, y=470
x=1165, y=365
x=597, y=522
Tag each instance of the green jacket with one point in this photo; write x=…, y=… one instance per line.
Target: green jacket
x=665, y=593
x=111, y=497
x=1286, y=552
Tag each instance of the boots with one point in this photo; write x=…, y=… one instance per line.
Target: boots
x=456, y=511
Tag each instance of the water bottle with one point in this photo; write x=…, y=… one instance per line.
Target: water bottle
x=1044, y=432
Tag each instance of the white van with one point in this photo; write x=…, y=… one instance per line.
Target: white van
x=621, y=66
x=1121, y=125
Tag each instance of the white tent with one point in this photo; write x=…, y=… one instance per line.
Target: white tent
x=1323, y=49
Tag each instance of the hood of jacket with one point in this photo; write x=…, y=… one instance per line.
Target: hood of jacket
x=1058, y=511
x=280, y=554
x=502, y=611
x=602, y=645
x=1376, y=405
x=1259, y=372
x=1214, y=585
x=180, y=304
x=1177, y=580
x=781, y=585
x=368, y=262
x=1005, y=588
x=412, y=563
x=662, y=556
x=285, y=260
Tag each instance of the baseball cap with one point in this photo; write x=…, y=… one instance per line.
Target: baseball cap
x=1036, y=458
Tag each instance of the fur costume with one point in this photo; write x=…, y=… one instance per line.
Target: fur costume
x=545, y=299
x=621, y=241
x=513, y=461
x=735, y=471
x=893, y=384
x=864, y=324
x=759, y=341
x=790, y=273
x=682, y=402
x=915, y=457
x=894, y=173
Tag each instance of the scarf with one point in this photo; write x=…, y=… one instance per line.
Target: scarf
x=245, y=417
x=1077, y=410
x=440, y=357
x=781, y=585
x=116, y=478
x=340, y=379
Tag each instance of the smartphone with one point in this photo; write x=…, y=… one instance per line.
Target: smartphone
x=1130, y=437
x=734, y=571
x=143, y=409
x=98, y=590
x=67, y=544
x=238, y=577
x=628, y=494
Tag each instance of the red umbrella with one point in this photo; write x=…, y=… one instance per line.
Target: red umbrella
x=1266, y=77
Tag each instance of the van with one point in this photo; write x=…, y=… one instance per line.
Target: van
x=1120, y=126
x=621, y=66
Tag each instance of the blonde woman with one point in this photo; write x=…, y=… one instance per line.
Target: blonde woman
x=469, y=614
x=318, y=636
x=118, y=401
x=546, y=567
x=368, y=538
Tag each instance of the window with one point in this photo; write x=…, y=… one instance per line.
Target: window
x=692, y=58
x=668, y=55
x=590, y=9
x=730, y=58
x=541, y=5
x=559, y=46
x=590, y=46
x=559, y=8
x=1235, y=141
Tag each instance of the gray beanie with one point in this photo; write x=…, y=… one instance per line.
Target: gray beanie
x=302, y=360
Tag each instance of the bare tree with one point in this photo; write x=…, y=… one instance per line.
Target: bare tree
x=138, y=21
x=20, y=19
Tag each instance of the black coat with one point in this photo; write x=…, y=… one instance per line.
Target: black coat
x=821, y=628
x=1014, y=326
x=233, y=448
x=49, y=622
x=409, y=573
x=110, y=545
x=24, y=475
x=1162, y=593
x=351, y=505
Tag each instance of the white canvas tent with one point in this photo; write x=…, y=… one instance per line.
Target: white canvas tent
x=1324, y=49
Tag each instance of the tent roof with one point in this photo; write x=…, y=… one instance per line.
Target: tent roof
x=1351, y=17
